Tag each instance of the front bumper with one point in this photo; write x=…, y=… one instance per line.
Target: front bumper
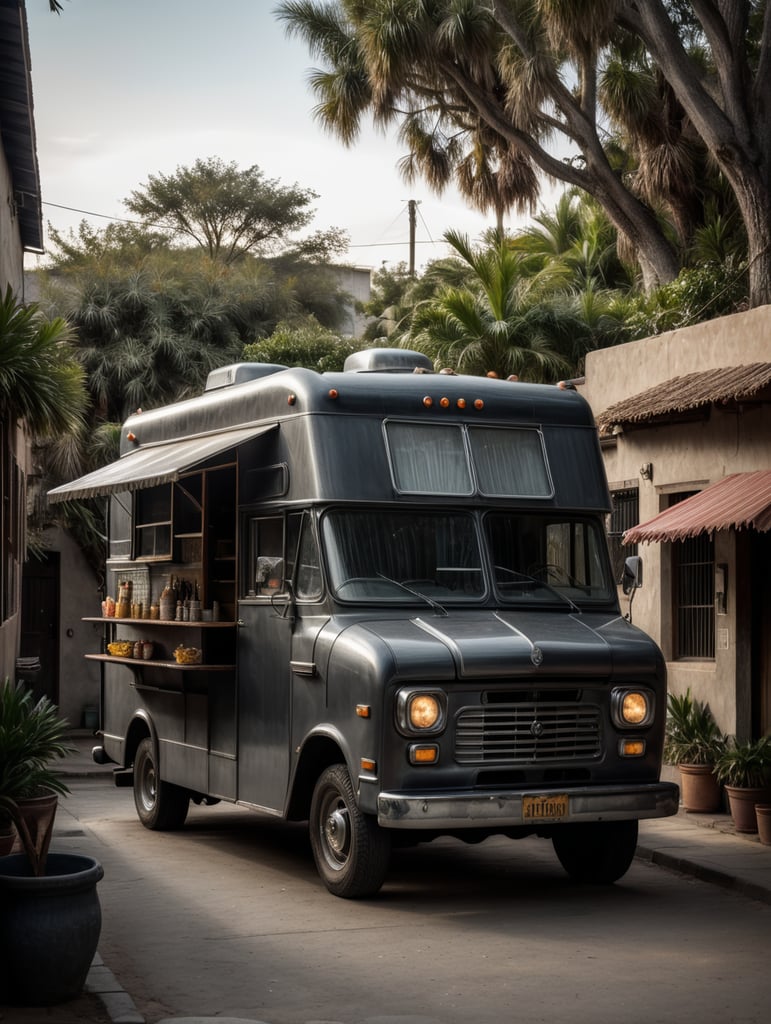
x=463, y=809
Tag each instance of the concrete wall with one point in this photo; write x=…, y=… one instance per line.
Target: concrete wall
x=80, y=597
x=357, y=282
x=688, y=457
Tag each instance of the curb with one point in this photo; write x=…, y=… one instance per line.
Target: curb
x=685, y=866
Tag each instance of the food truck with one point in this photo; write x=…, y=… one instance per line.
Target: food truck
x=379, y=601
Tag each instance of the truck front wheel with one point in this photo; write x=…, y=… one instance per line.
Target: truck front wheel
x=161, y=806
x=350, y=849
x=598, y=852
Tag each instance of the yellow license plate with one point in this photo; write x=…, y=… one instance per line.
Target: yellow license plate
x=545, y=808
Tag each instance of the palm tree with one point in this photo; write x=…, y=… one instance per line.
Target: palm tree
x=40, y=382
x=506, y=324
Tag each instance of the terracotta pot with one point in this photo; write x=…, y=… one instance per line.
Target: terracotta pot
x=763, y=816
x=742, y=802
x=699, y=788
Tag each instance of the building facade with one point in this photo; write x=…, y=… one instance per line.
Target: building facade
x=685, y=427
x=21, y=229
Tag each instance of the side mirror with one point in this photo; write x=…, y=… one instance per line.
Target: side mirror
x=633, y=574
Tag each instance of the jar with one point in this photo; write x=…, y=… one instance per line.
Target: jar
x=139, y=649
x=147, y=650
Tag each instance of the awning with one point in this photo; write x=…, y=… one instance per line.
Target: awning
x=156, y=464
x=741, y=500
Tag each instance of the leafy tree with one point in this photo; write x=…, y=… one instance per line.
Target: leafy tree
x=302, y=343
x=395, y=294
x=715, y=287
x=228, y=212
x=693, y=76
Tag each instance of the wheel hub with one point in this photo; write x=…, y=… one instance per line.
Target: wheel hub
x=336, y=831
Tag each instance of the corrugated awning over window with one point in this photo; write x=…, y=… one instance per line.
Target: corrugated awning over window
x=155, y=464
x=741, y=501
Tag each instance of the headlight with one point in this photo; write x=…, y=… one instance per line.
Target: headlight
x=632, y=707
x=421, y=711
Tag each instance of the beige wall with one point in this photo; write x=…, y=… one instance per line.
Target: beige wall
x=11, y=258
x=684, y=457
x=80, y=596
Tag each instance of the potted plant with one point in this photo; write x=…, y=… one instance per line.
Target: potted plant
x=51, y=917
x=745, y=768
x=693, y=743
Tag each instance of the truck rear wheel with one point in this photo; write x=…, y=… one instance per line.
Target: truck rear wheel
x=161, y=806
x=350, y=849
x=599, y=852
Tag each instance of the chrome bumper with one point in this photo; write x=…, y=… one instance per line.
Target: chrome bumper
x=461, y=809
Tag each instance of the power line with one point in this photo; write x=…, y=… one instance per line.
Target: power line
x=90, y=213
x=140, y=223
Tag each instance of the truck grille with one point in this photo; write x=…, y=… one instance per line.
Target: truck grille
x=527, y=733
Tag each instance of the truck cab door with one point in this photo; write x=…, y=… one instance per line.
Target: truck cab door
x=265, y=623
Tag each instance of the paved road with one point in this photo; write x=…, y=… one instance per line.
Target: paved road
x=228, y=918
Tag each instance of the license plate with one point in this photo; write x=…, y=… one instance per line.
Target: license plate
x=545, y=808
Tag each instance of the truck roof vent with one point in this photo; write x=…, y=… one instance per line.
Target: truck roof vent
x=239, y=373
x=387, y=360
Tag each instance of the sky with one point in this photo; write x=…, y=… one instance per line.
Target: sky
x=128, y=88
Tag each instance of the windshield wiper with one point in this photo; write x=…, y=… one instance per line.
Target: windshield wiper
x=415, y=593
x=523, y=578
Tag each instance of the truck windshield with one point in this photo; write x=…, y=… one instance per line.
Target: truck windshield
x=405, y=555
x=376, y=554
x=537, y=556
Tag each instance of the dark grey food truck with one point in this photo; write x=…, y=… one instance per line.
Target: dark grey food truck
x=380, y=601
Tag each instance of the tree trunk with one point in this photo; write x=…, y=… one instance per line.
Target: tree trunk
x=755, y=203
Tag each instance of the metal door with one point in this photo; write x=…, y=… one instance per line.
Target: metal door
x=264, y=703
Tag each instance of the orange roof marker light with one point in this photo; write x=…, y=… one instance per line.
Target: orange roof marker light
x=131, y=436
x=428, y=401
x=333, y=393
x=291, y=399
x=478, y=403
x=444, y=402
x=461, y=403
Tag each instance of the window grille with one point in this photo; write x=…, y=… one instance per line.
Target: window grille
x=625, y=514
x=693, y=599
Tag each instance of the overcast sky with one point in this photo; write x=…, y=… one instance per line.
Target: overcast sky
x=128, y=88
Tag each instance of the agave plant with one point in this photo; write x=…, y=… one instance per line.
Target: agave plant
x=692, y=734
x=746, y=764
x=32, y=736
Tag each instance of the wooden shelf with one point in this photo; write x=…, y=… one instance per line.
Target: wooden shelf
x=159, y=622
x=150, y=663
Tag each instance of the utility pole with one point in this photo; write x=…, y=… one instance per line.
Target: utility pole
x=412, y=206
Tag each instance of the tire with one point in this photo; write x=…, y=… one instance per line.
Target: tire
x=597, y=852
x=350, y=849
x=161, y=806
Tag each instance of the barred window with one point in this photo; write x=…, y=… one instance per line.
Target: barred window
x=693, y=563
x=624, y=515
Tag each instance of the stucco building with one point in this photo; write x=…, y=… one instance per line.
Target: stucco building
x=685, y=426
x=21, y=230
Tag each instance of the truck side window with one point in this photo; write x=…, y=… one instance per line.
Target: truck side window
x=265, y=574
x=308, y=574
